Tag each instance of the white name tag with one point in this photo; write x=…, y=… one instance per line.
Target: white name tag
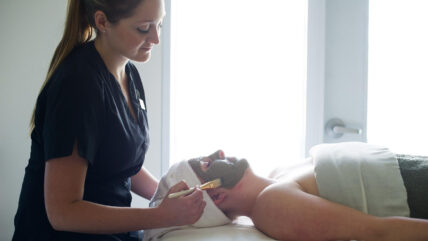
x=143, y=106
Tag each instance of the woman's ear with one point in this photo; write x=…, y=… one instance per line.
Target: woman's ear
x=101, y=21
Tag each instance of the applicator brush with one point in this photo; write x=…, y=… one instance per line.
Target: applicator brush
x=208, y=185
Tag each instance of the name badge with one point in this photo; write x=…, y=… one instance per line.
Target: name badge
x=143, y=106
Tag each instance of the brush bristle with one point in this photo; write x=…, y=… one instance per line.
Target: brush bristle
x=211, y=184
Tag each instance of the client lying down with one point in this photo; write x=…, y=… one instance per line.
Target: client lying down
x=351, y=191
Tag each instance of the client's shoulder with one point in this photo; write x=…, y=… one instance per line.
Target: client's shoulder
x=273, y=197
x=271, y=210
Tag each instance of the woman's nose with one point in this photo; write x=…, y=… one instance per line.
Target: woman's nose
x=154, y=35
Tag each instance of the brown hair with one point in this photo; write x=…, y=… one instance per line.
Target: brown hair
x=80, y=28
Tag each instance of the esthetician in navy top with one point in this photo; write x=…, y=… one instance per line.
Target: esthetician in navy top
x=90, y=133
x=84, y=102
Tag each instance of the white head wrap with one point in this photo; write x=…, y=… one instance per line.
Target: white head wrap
x=212, y=215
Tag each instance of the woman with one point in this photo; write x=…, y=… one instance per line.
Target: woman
x=90, y=132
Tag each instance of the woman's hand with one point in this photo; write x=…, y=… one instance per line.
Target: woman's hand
x=183, y=210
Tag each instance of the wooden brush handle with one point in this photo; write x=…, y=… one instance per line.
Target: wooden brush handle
x=180, y=193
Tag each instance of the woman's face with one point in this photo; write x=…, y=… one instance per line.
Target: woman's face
x=135, y=36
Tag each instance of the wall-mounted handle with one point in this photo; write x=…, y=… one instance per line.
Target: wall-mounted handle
x=336, y=128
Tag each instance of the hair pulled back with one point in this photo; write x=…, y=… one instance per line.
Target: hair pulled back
x=80, y=28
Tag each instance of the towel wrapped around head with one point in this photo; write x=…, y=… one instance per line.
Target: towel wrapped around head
x=361, y=176
x=212, y=215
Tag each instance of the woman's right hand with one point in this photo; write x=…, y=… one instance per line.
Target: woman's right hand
x=183, y=210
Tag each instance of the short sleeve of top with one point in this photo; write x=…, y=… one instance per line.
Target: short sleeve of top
x=83, y=102
x=74, y=111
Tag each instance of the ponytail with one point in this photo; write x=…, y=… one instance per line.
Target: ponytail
x=77, y=31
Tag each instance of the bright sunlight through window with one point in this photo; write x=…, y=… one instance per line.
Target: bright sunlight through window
x=398, y=75
x=238, y=75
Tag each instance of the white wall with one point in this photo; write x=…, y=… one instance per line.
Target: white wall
x=29, y=32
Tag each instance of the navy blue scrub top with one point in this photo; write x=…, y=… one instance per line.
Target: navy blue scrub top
x=83, y=102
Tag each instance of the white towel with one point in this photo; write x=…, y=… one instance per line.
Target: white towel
x=361, y=176
x=212, y=215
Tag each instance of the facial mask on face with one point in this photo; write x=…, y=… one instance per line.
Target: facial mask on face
x=229, y=172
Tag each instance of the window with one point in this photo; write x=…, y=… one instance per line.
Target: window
x=238, y=75
x=398, y=75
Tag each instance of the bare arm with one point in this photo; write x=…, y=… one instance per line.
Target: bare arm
x=285, y=212
x=67, y=211
x=144, y=184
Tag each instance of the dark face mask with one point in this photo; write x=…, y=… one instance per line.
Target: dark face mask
x=229, y=172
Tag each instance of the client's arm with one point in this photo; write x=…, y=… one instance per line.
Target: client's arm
x=284, y=211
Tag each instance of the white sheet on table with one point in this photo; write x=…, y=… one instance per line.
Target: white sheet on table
x=242, y=229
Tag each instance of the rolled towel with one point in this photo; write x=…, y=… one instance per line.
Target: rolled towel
x=212, y=215
x=361, y=176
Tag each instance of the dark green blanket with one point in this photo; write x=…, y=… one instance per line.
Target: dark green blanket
x=414, y=170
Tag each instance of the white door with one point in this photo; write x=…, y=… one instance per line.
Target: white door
x=337, y=71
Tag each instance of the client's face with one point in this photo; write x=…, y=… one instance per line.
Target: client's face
x=229, y=171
